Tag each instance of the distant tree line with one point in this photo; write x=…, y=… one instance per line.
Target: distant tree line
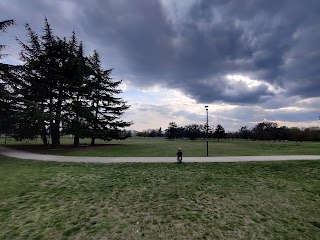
x=192, y=132
x=264, y=131
x=59, y=90
x=150, y=133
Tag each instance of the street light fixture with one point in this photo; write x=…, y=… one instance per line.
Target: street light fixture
x=207, y=107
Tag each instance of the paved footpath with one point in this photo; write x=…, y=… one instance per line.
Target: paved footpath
x=45, y=157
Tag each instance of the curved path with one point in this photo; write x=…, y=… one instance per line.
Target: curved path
x=44, y=157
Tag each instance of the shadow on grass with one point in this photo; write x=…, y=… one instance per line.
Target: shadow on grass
x=64, y=148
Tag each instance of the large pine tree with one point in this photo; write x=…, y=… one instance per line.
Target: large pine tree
x=106, y=107
x=3, y=26
x=7, y=94
x=61, y=91
x=32, y=88
x=77, y=110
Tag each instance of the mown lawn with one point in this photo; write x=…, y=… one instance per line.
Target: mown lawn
x=148, y=147
x=262, y=200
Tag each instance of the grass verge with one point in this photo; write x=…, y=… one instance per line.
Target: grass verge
x=263, y=200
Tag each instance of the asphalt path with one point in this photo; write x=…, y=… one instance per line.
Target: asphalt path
x=56, y=158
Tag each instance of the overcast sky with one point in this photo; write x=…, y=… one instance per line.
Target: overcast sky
x=249, y=61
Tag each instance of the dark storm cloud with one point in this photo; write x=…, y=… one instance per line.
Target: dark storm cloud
x=276, y=42
x=292, y=116
x=62, y=16
x=191, y=56
x=261, y=39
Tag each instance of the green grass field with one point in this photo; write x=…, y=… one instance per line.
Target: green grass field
x=148, y=147
x=263, y=200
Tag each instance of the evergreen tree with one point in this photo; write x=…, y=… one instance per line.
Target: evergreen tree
x=219, y=132
x=206, y=128
x=193, y=131
x=106, y=108
x=43, y=82
x=265, y=131
x=9, y=107
x=244, y=132
x=172, y=130
x=6, y=106
x=3, y=26
x=33, y=90
x=60, y=90
x=77, y=107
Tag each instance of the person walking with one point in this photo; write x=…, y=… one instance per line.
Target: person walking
x=179, y=155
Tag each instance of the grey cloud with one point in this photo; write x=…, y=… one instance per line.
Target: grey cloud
x=273, y=41
x=245, y=114
x=281, y=102
x=62, y=16
x=215, y=38
x=293, y=116
x=311, y=103
x=192, y=118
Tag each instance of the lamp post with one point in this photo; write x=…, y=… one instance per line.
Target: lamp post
x=206, y=107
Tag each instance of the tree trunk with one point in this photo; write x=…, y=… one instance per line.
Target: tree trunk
x=44, y=140
x=44, y=135
x=93, y=138
x=55, y=136
x=56, y=128
x=76, y=141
